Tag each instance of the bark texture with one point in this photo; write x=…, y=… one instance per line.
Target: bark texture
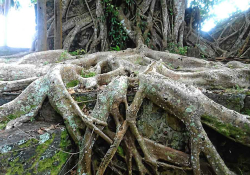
x=58, y=24
x=41, y=26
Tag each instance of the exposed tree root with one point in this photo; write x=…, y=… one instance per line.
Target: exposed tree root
x=174, y=88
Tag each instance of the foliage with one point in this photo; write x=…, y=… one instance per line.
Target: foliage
x=117, y=48
x=33, y=1
x=129, y=2
x=205, y=6
x=174, y=48
x=63, y=56
x=143, y=25
x=247, y=112
x=116, y=31
x=78, y=52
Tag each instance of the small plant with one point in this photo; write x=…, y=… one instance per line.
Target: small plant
x=174, y=48
x=147, y=40
x=63, y=55
x=78, y=52
x=143, y=25
x=117, y=48
x=202, y=55
x=171, y=12
x=45, y=63
x=87, y=74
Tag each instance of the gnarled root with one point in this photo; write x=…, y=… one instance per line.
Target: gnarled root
x=113, y=74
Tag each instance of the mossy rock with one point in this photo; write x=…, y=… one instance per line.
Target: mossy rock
x=157, y=125
x=231, y=101
x=21, y=154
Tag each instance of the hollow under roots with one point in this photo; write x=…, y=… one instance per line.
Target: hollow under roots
x=172, y=82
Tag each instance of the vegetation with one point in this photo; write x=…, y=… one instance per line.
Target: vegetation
x=85, y=74
x=174, y=48
x=118, y=36
x=78, y=52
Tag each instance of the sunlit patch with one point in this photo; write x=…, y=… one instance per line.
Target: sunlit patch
x=1, y=30
x=21, y=26
x=223, y=10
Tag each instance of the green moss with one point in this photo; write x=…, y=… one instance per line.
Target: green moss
x=170, y=155
x=28, y=143
x=214, y=87
x=72, y=83
x=16, y=167
x=83, y=98
x=227, y=129
x=42, y=158
x=5, y=122
x=87, y=74
x=56, y=162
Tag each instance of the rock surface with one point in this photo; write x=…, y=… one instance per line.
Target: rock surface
x=30, y=149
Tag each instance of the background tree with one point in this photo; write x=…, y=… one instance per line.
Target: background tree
x=41, y=26
x=58, y=24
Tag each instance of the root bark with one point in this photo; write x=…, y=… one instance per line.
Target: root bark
x=175, y=89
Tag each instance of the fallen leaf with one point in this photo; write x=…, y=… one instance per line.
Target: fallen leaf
x=40, y=131
x=71, y=91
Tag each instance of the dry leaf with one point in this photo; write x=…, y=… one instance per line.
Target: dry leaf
x=40, y=131
x=71, y=91
x=52, y=127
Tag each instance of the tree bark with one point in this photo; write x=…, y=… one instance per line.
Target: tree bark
x=58, y=24
x=42, y=26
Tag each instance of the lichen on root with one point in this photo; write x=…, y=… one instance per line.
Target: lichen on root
x=172, y=82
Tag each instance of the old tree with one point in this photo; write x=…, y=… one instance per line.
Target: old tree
x=173, y=82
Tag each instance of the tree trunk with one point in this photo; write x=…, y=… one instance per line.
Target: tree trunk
x=58, y=24
x=41, y=26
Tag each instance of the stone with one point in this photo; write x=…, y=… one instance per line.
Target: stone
x=24, y=151
x=230, y=101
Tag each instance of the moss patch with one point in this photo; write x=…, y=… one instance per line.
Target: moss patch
x=87, y=74
x=33, y=157
x=226, y=129
x=72, y=83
